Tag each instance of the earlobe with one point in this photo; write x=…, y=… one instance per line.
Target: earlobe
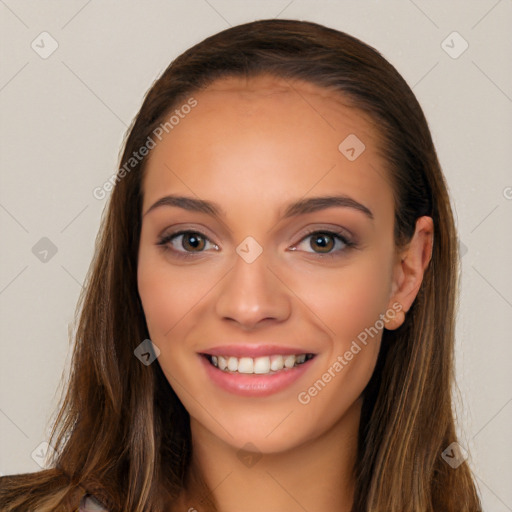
x=396, y=321
x=410, y=269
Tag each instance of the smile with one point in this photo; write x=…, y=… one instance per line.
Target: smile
x=259, y=376
x=258, y=365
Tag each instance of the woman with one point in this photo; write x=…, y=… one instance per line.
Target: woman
x=268, y=322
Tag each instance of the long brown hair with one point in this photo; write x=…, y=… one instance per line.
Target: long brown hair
x=121, y=432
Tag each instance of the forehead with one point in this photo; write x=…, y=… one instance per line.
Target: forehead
x=267, y=137
x=288, y=99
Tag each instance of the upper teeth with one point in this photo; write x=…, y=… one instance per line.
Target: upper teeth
x=263, y=364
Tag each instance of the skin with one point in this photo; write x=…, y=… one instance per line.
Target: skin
x=253, y=146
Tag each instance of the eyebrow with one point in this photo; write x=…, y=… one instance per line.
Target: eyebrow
x=300, y=207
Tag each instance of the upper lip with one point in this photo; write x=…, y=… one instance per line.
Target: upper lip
x=252, y=350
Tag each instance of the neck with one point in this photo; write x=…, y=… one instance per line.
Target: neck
x=317, y=475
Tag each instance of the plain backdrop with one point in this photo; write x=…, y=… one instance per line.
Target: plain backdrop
x=73, y=76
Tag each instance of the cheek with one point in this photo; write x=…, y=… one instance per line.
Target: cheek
x=348, y=300
x=160, y=304
x=349, y=304
x=174, y=298
x=168, y=292
x=169, y=299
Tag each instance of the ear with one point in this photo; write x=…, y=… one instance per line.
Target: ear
x=409, y=269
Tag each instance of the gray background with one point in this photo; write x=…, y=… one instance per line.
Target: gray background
x=63, y=119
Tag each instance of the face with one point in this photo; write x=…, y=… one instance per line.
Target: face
x=250, y=282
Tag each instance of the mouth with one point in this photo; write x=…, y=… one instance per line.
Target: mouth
x=262, y=365
x=257, y=371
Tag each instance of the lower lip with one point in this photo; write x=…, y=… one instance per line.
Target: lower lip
x=251, y=384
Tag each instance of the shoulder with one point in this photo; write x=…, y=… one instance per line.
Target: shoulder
x=89, y=503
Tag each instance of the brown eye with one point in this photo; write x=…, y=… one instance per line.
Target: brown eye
x=193, y=242
x=324, y=241
x=186, y=243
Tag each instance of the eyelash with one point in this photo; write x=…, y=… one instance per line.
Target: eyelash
x=349, y=244
x=340, y=236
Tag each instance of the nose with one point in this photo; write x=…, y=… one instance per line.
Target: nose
x=252, y=294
